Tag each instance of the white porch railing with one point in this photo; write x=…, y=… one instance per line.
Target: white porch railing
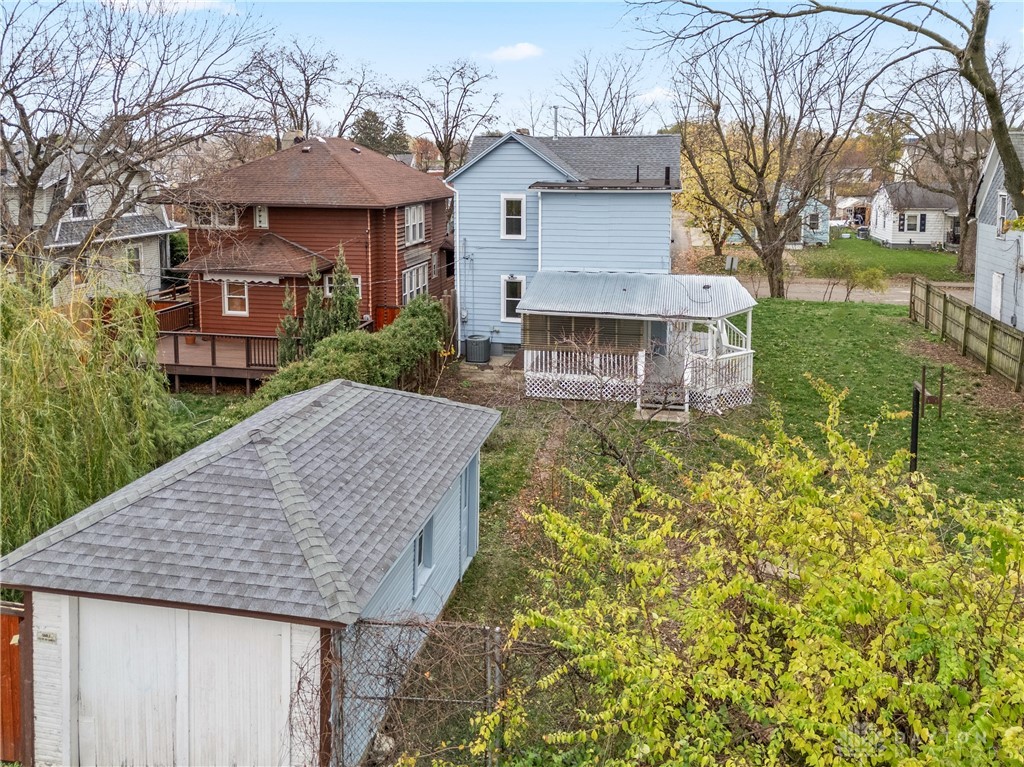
x=710, y=384
x=583, y=374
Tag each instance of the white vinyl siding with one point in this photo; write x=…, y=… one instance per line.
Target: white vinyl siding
x=511, y=293
x=415, y=227
x=414, y=282
x=236, y=299
x=513, y=217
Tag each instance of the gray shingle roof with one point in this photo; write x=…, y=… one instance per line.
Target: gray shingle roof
x=635, y=295
x=606, y=159
x=906, y=195
x=71, y=233
x=297, y=512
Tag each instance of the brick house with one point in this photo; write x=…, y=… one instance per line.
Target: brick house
x=259, y=228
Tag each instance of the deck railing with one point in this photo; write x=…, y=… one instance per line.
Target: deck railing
x=236, y=351
x=583, y=374
x=175, y=317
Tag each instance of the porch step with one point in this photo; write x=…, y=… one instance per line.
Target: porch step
x=667, y=415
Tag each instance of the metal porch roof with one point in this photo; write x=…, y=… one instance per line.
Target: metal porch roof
x=635, y=295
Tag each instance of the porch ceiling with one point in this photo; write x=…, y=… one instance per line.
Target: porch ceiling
x=633, y=295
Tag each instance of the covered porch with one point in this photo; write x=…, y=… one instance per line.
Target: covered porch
x=659, y=340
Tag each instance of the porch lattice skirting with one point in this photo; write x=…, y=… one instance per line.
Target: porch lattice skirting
x=714, y=385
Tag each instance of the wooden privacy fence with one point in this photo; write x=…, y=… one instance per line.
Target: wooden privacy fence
x=11, y=615
x=999, y=347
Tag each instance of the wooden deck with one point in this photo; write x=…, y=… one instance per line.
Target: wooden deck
x=213, y=356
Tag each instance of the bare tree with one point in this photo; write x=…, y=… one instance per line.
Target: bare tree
x=452, y=101
x=950, y=124
x=290, y=82
x=758, y=135
x=93, y=92
x=955, y=31
x=359, y=91
x=602, y=95
x=534, y=113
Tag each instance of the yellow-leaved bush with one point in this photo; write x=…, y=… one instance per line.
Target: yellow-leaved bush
x=789, y=609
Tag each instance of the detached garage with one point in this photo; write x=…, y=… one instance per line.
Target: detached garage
x=185, y=619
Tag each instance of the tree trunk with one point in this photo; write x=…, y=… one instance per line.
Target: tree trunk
x=967, y=251
x=717, y=245
x=772, y=261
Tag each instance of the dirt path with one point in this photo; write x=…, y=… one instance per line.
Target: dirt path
x=543, y=485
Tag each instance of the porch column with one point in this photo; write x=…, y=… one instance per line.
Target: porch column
x=750, y=325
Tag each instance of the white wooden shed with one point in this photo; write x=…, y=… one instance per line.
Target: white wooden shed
x=660, y=340
x=184, y=619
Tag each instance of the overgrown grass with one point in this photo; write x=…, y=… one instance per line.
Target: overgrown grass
x=894, y=262
x=192, y=414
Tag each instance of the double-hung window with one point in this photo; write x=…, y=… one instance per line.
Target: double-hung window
x=513, y=217
x=329, y=285
x=236, y=299
x=511, y=294
x=813, y=221
x=80, y=208
x=423, y=556
x=911, y=222
x=133, y=258
x=414, y=282
x=1002, y=213
x=415, y=228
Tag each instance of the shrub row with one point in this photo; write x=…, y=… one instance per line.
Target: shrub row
x=378, y=359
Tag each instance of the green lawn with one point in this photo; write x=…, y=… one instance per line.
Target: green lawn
x=894, y=262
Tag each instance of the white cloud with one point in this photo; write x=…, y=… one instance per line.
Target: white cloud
x=516, y=52
x=658, y=94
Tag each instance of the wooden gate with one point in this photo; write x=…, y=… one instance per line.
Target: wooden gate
x=11, y=615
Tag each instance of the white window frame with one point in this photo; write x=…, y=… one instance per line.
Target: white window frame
x=915, y=217
x=84, y=204
x=133, y=257
x=504, y=217
x=415, y=282
x=415, y=224
x=224, y=296
x=813, y=221
x=1002, y=213
x=260, y=217
x=329, y=285
x=422, y=557
x=132, y=203
x=215, y=215
x=505, y=280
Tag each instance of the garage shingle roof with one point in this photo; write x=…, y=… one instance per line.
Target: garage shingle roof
x=321, y=173
x=297, y=512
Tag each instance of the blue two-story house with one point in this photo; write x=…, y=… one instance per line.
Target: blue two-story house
x=563, y=250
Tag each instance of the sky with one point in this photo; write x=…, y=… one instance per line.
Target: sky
x=525, y=44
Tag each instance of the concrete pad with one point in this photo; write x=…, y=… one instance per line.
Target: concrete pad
x=663, y=416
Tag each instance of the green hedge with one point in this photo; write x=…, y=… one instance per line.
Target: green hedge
x=379, y=359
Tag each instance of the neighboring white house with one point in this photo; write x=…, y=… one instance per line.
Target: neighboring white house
x=184, y=619
x=906, y=215
x=999, y=268
x=123, y=244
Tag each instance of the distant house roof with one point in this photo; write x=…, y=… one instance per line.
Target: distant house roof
x=906, y=195
x=297, y=512
x=71, y=233
x=320, y=173
x=596, y=161
x=268, y=253
x=634, y=295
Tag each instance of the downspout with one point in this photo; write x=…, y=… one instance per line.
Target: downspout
x=457, y=243
x=369, y=262
x=540, y=230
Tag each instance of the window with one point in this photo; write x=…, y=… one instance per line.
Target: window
x=511, y=293
x=813, y=221
x=423, y=556
x=1002, y=213
x=260, y=217
x=911, y=222
x=133, y=258
x=236, y=299
x=449, y=263
x=414, y=282
x=415, y=229
x=131, y=201
x=513, y=216
x=329, y=285
x=215, y=218
x=79, y=208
